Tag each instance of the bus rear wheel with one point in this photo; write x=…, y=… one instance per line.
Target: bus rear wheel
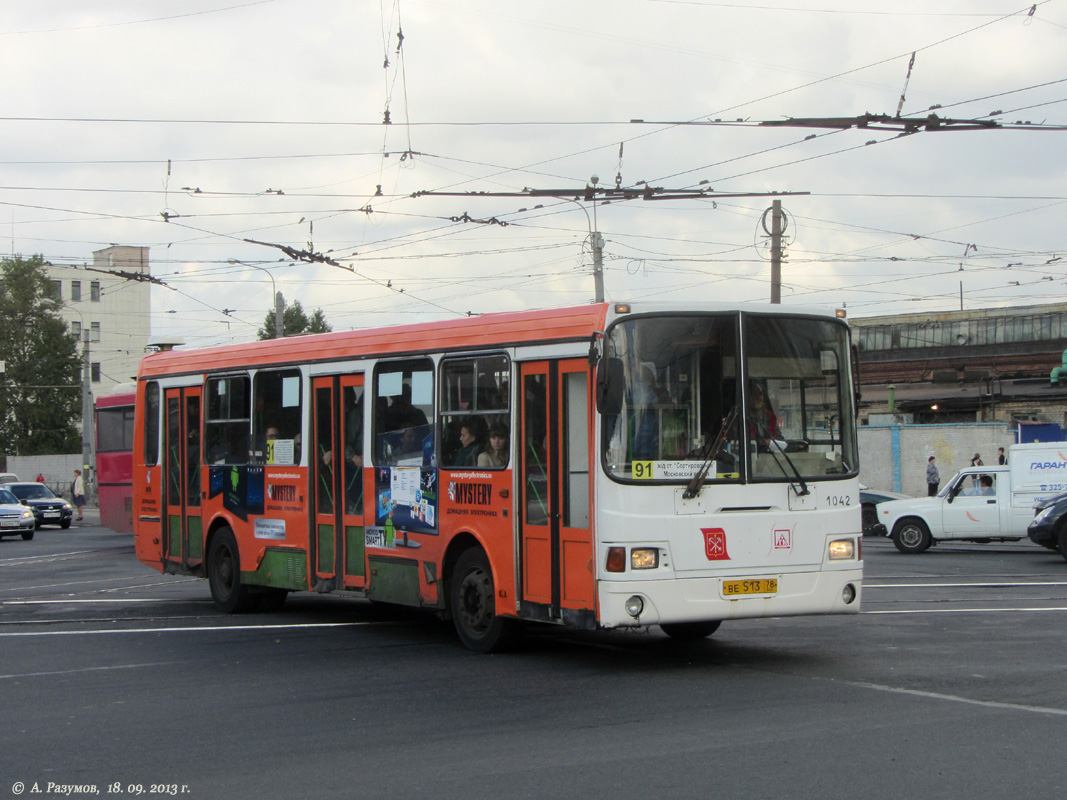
x=911, y=536
x=231, y=596
x=690, y=631
x=472, y=603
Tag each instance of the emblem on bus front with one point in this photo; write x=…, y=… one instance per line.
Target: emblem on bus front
x=715, y=544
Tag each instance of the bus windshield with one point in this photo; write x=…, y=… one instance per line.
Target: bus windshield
x=758, y=397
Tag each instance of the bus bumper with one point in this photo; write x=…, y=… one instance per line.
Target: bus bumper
x=697, y=599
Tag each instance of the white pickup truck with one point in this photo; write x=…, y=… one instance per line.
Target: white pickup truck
x=979, y=504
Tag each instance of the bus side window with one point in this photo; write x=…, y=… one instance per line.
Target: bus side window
x=226, y=425
x=278, y=418
x=151, y=425
x=475, y=412
x=403, y=413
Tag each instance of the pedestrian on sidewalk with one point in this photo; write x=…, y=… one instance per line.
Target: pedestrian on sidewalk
x=77, y=489
x=933, y=479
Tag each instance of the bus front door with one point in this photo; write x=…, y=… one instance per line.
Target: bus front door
x=556, y=539
x=184, y=540
x=337, y=541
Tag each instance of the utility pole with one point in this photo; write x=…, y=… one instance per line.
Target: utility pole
x=590, y=193
x=776, y=251
x=87, y=418
x=279, y=314
x=598, y=266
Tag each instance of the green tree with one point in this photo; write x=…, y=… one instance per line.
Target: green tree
x=40, y=401
x=295, y=322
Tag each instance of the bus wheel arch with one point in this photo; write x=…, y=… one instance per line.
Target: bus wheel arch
x=911, y=535
x=230, y=594
x=690, y=631
x=471, y=600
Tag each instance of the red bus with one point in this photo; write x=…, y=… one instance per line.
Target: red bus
x=114, y=414
x=605, y=466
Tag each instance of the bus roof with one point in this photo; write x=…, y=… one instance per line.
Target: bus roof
x=126, y=398
x=489, y=330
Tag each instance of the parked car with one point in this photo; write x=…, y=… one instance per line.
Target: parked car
x=47, y=508
x=8, y=477
x=869, y=499
x=15, y=517
x=1049, y=527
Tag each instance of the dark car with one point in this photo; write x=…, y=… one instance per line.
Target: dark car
x=15, y=518
x=869, y=499
x=47, y=508
x=1049, y=528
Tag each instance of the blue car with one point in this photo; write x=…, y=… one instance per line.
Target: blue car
x=15, y=517
x=1049, y=528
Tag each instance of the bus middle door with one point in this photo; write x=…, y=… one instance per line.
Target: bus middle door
x=556, y=538
x=336, y=540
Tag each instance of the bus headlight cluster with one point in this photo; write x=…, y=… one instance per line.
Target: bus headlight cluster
x=841, y=549
x=640, y=558
x=644, y=558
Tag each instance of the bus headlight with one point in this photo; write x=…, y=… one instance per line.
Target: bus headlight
x=848, y=594
x=644, y=558
x=634, y=606
x=842, y=549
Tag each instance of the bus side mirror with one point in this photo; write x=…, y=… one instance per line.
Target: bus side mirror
x=610, y=383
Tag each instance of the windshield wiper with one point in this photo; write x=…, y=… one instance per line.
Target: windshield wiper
x=713, y=449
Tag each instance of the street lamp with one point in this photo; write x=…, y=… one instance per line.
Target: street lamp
x=279, y=301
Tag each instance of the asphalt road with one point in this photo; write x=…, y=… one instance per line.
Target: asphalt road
x=951, y=684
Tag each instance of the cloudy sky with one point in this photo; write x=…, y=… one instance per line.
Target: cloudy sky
x=190, y=127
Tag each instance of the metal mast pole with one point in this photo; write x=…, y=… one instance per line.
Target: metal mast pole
x=776, y=251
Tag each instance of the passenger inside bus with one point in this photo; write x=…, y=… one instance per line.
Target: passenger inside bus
x=495, y=455
x=472, y=441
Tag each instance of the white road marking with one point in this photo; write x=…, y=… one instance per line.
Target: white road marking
x=66, y=602
x=961, y=585
x=201, y=629
x=966, y=610
x=957, y=699
x=84, y=669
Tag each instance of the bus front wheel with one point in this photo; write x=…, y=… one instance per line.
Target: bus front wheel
x=231, y=596
x=472, y=603
x=690, y=631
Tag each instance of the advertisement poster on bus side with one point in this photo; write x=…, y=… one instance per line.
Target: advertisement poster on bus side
x=241, y=488
x=406, y=499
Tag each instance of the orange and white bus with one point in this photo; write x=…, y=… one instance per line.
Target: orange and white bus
x=604, y=466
